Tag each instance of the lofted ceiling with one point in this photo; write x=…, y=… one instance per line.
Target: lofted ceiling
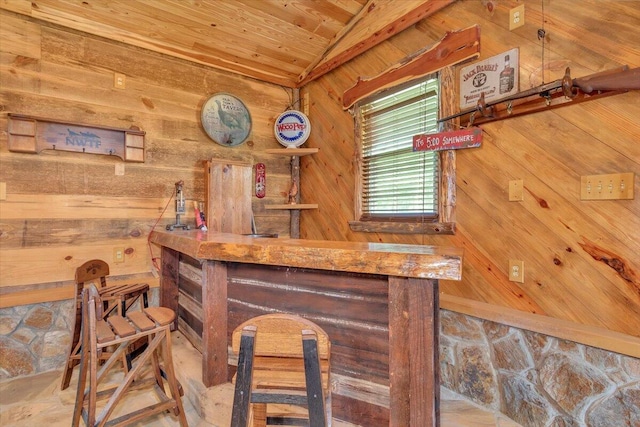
x=286, y=42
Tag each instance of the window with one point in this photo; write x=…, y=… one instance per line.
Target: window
x=397, y=184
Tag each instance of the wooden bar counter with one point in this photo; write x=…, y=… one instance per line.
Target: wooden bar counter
x=378, y=303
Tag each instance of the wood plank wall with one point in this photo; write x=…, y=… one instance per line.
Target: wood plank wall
x=582, y=258
x=62, y=208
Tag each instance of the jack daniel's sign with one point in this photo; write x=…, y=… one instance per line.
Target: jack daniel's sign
x=497, y=77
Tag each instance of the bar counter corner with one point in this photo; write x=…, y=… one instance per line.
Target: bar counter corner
x=378, y=303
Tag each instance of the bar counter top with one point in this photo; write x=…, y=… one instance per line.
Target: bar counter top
x=425, y=262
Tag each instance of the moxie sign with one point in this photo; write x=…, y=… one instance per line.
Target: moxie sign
x=452, y=140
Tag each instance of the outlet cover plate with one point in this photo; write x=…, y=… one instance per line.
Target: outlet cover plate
x=516, y=270
x=516, y=17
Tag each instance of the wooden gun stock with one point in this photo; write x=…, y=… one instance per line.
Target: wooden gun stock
x=624, y=80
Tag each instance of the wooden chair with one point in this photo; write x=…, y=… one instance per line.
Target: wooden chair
x=99, y=333
x=282, y=359
x=117, y=298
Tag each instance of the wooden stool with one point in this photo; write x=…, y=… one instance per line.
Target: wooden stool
x=117, y=298
x=97, y=333
x=282, y=359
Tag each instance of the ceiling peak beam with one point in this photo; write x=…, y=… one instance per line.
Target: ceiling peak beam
x=335, y=55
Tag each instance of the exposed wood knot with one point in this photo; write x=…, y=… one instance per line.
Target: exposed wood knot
x=556, y=261
x=543, y=204
x=569, y=249
x=68, y=258
x=148, y=103
x=614, y=261
x=135, y=233
x=129, y=251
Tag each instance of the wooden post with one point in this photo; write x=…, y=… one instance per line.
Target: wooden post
x=414, y=371
x=214, y=323
x=169, y=281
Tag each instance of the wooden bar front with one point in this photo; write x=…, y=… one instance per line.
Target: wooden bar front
x=377, y=302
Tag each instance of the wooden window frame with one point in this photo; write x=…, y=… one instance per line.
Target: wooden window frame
x=445, y=224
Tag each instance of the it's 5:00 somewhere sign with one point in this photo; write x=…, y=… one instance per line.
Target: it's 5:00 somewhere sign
x=452, y=140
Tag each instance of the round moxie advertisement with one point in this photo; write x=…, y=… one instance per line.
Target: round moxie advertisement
x=292, y=128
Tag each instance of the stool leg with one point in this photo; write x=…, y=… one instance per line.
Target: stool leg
x=315, y=399
x=74, y=347
x=171, y=377
x=242, y=393
x=82, y=381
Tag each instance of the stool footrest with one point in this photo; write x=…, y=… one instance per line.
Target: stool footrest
x=289, y=397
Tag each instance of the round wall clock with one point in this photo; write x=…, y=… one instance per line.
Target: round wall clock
x=226, y=119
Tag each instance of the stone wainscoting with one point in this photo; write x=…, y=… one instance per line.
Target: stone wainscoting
x=538, y=380
x=534, y=379
x=35, y=338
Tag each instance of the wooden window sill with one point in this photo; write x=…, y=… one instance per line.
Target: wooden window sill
x=403, y=227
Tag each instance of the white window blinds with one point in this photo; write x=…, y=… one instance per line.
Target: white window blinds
x=399, y=184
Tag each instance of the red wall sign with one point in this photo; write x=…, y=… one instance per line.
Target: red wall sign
x=453, y=140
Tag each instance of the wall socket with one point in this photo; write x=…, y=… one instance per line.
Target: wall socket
x=119, y=80
x=516, y=17
x=615, y=186
x=516, y=270
x=118, y=255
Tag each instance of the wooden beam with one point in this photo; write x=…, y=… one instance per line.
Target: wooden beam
x=453, y=48
x=422, y=11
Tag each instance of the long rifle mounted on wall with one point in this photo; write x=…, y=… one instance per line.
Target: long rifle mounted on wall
x=551, y=95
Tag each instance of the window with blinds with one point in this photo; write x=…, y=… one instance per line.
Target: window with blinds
x=398, y=184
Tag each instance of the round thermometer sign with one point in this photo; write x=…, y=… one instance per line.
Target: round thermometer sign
x=292, y=128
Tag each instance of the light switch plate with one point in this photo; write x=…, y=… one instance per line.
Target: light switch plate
x=516, y=190
x=615, y=186
x=119, y=80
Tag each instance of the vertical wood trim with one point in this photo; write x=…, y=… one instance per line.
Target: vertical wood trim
x=413, y=352
x=214, y=327
x=448, y=97
x=399, y=363
x=169, y=281
x=294, y=215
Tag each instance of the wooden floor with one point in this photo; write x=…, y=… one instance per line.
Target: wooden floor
x=38, y=401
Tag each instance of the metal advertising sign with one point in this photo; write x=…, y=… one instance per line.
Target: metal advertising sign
x=452, y=140
x=497, y=77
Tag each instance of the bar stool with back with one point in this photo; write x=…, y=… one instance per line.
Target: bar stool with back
x=284, y=360
x=118, y=331
x=117, y=298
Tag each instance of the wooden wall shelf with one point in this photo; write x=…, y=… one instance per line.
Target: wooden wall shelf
x=292, y=151
x=292, y=206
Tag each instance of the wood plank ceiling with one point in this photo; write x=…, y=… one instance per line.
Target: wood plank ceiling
x=286, y=42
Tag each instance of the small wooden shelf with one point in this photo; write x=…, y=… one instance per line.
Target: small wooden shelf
x=292, y=151
x=292, y=206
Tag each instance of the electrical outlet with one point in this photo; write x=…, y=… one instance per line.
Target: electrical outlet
x=516, y=17
x=516, y=270
x=118, y=255
x=615, y=186
x=119, y=80
x=119, y=169
x=516, y=190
